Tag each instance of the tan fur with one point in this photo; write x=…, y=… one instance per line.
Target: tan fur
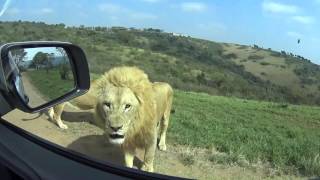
x=150, y=104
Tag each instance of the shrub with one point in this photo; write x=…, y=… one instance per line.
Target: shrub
x=187, y=159
x=255, y=57
x=275, y=54
x=242, y=47
x=264, y=63
x=230, y=56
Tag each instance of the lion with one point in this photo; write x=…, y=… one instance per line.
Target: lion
x=130, y=109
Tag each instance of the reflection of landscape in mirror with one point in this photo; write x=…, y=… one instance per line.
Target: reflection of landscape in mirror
x=46, y=73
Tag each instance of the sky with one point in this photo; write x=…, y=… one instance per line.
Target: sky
x=31, y=52
x=275, y=24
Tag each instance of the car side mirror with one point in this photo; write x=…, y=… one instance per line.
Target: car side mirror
x=37, y=75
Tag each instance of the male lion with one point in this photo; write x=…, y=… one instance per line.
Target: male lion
x=129, y=107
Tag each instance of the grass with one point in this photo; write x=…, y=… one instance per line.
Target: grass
x=228, y=159
x=50, y=84
x=187, y=159
x=285, y=136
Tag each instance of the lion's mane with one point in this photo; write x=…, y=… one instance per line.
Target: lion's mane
x=141, y=131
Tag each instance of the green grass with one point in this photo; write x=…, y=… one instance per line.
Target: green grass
x=284, y=136
x=50, y=84
x=187, y=159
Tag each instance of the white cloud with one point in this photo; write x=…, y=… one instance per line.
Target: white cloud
x=46, y=11
x=294, y=34
x=193, y=7
x=304, y=19
x=275, y=7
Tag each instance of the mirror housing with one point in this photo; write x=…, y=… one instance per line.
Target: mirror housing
x=9, y=89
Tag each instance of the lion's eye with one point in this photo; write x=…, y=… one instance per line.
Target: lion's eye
x=127, y=106
x=107, y=104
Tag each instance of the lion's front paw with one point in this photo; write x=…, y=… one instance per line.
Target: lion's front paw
x=50, y=113
x=146, y=167
x=62, y=126
x=162, y=147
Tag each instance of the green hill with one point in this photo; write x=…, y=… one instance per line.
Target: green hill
x=186, y=63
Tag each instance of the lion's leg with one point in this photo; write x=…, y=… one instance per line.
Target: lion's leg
x=149, y=155
x=58, y=109
x=51, y=113
x=128, y=159
x=164, y=122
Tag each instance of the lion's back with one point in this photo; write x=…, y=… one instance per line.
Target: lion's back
x=163, y=94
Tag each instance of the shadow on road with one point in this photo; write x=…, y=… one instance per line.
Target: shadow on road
x=85, y=116
x=97, y=146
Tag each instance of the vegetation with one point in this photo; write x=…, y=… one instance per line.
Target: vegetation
x=255, y=57
x=186, y=63
x=264, y=63
x=49, y=83
x=281, y=135
x=284, y=136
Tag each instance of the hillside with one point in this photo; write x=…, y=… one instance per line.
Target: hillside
x=186, y=63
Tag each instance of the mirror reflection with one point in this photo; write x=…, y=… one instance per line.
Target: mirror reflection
x=45, y=74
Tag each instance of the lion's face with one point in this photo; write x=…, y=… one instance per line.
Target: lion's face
x=118, y=107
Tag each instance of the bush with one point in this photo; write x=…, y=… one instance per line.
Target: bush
x=275, y=54
x=264, y=63
x=242, y=47
x=230, y=56
x=255, y=57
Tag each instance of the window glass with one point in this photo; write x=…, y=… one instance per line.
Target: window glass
x=245, y=77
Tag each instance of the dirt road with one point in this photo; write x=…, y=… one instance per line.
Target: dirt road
x=86, y=138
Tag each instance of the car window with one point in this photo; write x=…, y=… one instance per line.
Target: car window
x=234, y=85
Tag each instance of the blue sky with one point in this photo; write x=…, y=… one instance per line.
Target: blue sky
x=275, y=24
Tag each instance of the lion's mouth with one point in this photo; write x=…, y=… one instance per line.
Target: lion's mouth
x=116, y=136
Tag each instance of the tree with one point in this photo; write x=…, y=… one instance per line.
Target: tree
x=64, y=68
x=42, y=60
x=202, y=78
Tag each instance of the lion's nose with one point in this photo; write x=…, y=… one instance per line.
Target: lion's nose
x=116, y=128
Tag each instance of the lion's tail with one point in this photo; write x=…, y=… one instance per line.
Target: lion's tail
x=173, y=111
